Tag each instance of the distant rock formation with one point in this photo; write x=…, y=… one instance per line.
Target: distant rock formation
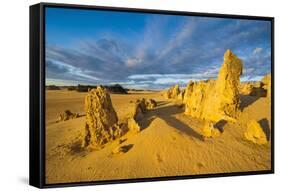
x=113, y=89
x=173, y=92
x=255, y=133
x=181, y=95
x=52, y=87
x=67, y=114
x=140, y=108
x=116, y=89
x=252, y=89
x=266, y=80
x=150, y=103
x=101, y=119
x=216, y=99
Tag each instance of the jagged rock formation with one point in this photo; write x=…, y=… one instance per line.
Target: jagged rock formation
x=139, y=109
x=101, y=119
x=255, y=133
x=216, y=99
x=150, y=103
x=67, y=114
x=173, y=92
x=181, y=95
x=141, y=106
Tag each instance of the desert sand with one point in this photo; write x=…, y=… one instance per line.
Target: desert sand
x=170, y=141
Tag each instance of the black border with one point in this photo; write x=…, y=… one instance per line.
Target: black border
x=37, y=94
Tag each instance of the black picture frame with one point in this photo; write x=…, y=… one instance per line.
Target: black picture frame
x=37, y=94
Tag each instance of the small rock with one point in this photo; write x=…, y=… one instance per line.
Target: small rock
x=209, y=130
x=133, y=125
x=255, y=133
x=67, y=114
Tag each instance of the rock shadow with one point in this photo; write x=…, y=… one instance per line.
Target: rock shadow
x=220, y=125
x=265, y=127
x=166, y=113
x=126, y=148
x=75, y=148
x=247, y=100
x=146, y=121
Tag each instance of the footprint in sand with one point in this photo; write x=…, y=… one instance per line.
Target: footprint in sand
x=159, y=158
x=199, y=165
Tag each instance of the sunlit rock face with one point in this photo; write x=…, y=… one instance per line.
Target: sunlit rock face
x=216, y=99
x=253, y=89
x=101, y=119
x=255, y=133
x=173, y=92
x=140, y=108
x=266, y=80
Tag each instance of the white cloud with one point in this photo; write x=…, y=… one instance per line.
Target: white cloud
x=257, y=51
x=132, y=62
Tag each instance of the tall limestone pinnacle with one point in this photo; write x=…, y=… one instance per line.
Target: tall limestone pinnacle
x=101, y=119
x=228, y=82
x=216, y=99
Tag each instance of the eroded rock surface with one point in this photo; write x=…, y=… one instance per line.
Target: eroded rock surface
x=101, y=119
x=150, y=103
x=173, y=92
x=140, y=108
x=216, y=99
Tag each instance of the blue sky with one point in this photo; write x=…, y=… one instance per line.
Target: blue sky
x=149, y=51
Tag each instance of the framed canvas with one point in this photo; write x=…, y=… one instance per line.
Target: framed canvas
x=123, y=95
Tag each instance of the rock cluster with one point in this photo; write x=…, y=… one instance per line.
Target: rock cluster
x=216, y=99
x=101, y=119
x=140, y=108
x=255, y=133
x=181, y=95
x=150, y=103
x=67, y=114
x=173, y=92
x=252, y=89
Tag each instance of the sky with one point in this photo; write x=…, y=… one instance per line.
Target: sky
x=149, y=51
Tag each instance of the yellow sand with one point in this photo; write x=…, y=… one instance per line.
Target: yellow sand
x=170, y=144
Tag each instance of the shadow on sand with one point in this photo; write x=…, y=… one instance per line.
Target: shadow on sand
x=166, y=113
x=247, y=100
x=220, y=125
x=265, y=127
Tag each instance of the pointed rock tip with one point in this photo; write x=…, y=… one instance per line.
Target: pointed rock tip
x=227, y=54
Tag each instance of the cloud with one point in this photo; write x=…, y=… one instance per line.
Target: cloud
x=132, y=62
x=257, y=51
x=166, y=50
